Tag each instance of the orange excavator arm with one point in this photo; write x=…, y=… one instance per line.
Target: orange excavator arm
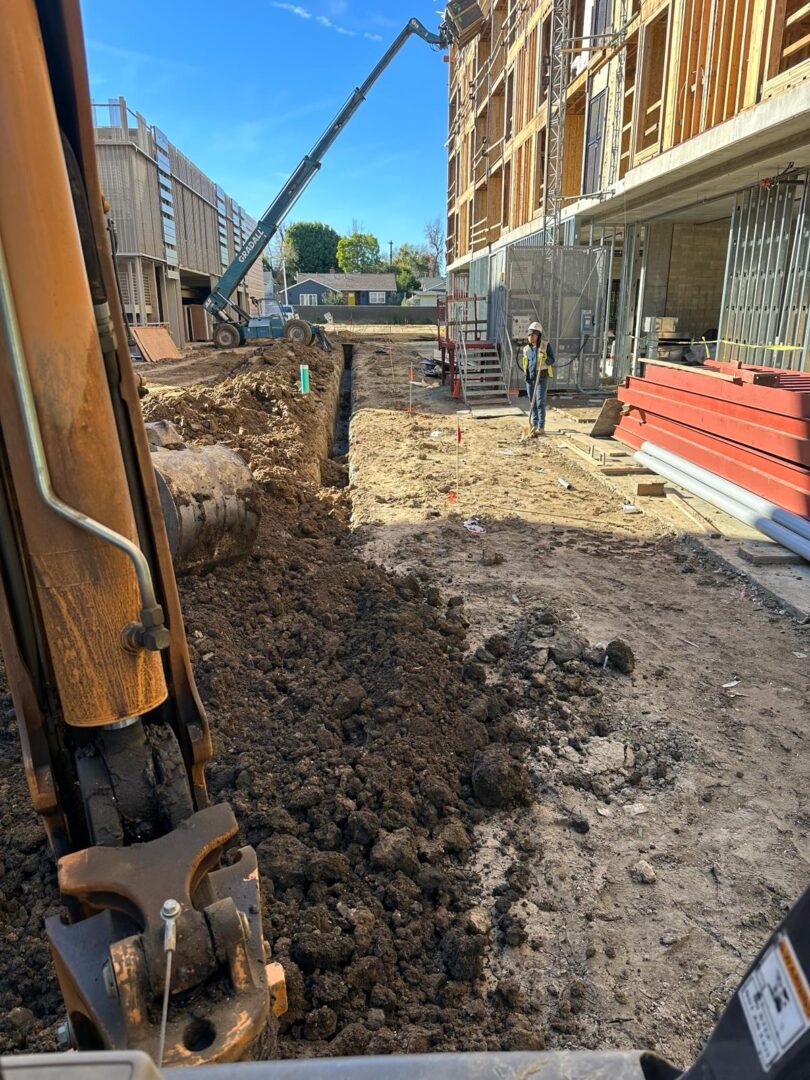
x=114, y=736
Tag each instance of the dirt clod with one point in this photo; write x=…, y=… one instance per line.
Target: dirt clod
x=463, y=955
x=395, y=851
x=498, y=779
x=621, y=656
x=643, y=872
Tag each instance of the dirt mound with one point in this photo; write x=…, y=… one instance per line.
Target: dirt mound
x=260, y=411
x=345, y=725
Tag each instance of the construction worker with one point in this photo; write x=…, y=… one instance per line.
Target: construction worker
x=536, y=362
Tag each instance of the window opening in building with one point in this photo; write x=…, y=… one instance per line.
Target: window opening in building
x=509, y=128
x=650, y=110
x=790, y=40
x=592, y=179
x=631, y=56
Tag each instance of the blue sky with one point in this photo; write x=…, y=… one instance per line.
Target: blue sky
x=247, y=108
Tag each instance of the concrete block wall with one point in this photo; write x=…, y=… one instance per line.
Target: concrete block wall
x=696, y=270
x=685, y=268
x=369, y=314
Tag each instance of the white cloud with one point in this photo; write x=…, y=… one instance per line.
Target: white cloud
x=140, y=59
x=294, y=9
x=323, y=20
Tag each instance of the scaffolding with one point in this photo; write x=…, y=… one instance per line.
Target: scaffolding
x=559, y=64
x=565, y=289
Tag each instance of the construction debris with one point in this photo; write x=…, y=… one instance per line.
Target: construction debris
x=652, y=488
x=155, y=343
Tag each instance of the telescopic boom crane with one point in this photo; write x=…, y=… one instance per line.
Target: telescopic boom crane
x=233, y=324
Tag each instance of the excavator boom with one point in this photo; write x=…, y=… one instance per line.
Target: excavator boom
x=113, y=733
x=267, y=226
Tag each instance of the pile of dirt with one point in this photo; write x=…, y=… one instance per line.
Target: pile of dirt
x=258, y=409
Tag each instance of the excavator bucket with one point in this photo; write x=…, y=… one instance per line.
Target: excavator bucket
x=209, y=500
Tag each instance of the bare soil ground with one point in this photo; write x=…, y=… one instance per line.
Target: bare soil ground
x=473, y=830
x=668, y=829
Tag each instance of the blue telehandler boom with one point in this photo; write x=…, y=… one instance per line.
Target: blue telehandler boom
x=232, y=324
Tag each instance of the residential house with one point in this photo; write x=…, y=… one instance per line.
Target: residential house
x=431, y=290
x=310, y=290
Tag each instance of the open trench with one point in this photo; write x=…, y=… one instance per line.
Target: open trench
x=340, y=439
x=346, y=731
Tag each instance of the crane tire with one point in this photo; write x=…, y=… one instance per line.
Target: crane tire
x=226, y=336
x=299, y=332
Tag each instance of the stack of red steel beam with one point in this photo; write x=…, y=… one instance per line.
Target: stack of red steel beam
x=747, y=424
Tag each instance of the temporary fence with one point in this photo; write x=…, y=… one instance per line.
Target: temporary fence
x=566, y=290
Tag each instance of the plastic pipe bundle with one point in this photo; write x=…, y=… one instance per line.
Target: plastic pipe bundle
x=787, y=529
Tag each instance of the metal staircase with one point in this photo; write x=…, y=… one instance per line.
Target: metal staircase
x=479, y=369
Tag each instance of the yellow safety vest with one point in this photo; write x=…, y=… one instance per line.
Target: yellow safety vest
x=542, y=362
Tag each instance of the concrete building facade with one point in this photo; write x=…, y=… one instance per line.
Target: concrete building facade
x=176, y=230
x=684, y=134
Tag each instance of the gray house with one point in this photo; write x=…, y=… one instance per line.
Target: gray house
x=356, y=289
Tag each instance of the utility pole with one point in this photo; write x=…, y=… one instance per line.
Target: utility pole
x=391, y=254
x=283, y=263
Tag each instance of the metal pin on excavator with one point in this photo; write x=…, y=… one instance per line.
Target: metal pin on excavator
x=161, y=954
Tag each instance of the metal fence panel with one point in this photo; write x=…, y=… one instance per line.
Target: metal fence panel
x=564, y=288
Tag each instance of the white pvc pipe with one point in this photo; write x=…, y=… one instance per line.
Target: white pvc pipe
x=740, y=494
x=769, y=528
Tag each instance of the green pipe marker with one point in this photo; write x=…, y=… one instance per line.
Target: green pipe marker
x=305, y=378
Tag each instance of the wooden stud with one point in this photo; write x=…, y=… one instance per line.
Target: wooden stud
x=775, y=31
x=692, y=370
x=734, y=61
x=624, y=470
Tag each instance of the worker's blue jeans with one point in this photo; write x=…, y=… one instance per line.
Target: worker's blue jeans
x=537, y=414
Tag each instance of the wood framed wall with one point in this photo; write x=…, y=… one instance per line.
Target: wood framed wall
x=681, y=68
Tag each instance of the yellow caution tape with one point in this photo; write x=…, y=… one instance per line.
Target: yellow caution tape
x=747, y=345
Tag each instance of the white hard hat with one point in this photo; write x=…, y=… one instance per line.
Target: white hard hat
x=535, y=328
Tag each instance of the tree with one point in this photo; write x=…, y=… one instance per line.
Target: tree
x=359, y=254
x=434, y=234
x=333, y=298
x=310, y=247
x=417, y=260
x=273, y=257
x=407, y=284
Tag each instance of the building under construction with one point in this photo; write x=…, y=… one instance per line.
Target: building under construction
x=176, y=229
x=635, y=175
